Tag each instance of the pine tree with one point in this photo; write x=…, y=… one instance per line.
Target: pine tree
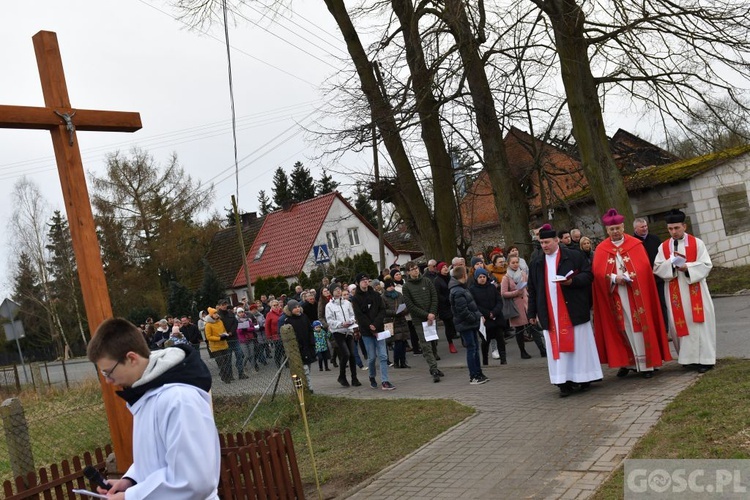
x=264, y=203
x=211, y=290
x=325, y=184
x=280, y=190
x=363, y=206
x=65, y=289
x=180, y=301
x=28, y=293
x=302, y=185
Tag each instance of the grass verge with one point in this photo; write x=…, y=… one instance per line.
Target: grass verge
x=352, y=439
x=729, y=280
x=710, y=419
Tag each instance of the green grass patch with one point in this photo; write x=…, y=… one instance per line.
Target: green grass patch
x=352, y=438
x=710, y=419
x=729, y=280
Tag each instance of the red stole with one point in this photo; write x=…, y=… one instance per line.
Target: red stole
x=675, y=298
x=562, y=340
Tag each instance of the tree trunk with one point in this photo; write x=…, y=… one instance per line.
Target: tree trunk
x=412, y=201
x=510, y=200
x=604, y=178
x=428, y=109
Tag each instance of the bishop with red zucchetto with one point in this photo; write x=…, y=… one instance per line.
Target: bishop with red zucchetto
x=628, y=324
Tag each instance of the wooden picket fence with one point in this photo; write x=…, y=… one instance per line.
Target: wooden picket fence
x=260, y=465
x=58, y=481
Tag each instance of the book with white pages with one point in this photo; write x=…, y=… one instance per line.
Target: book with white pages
x=677, y=260
x=483, y=328
x=430, y=331
x=88, y=493
x=521, y=285
x=401, y=308
x=384, y=335
x=559, y=278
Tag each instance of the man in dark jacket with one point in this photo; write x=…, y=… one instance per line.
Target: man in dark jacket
x=652, y=243
x=560, y=300
x=230, y=323
x=304, y=333
x=369, y=310
x=490, y=305
x=467, y=319
x=421, y=302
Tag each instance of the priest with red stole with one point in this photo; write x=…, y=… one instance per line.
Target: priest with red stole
x=560, y=301
x=628, y=324
x=683, y=262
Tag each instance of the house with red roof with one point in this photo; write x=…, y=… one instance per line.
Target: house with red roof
x=308, y=234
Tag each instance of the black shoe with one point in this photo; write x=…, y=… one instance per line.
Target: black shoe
x=503, y=361
x=525, y=355
x=343, y=381
x=356, y=382
x=565, y=390
x=704, y=368
x=373, y=384
x=435, y=377
x=404, y=365
x=328, y=369
x=257, y=368
x=623, y=372
x=543, y=353
x=584, y=386
x=242, y=376
x=439, y=373
x=648, y=374
x=437, y=358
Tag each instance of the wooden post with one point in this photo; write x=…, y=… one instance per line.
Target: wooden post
x=296, y=367
x=63, y=122
x=17, y=437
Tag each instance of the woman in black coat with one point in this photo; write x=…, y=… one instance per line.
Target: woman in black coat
x=444, y=307
x=490, y=305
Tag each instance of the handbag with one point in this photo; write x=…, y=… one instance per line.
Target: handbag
x=510, y=310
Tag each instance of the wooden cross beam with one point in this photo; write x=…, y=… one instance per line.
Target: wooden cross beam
x=63, y=121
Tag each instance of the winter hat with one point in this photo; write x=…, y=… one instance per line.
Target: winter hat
x=480, y=272
x=334, y=286
x=388, y=282
x=352, y=287
x=211, y=311
x=317, y=323
x=476, y=260
x=292, y=304
x=253, y=306
x=674, y=216
x=440, y=266
x=360, y=277
x=239, y=310
x=546, y=232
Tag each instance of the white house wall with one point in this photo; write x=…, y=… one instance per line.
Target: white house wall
x=729, y=251
x=340, y=219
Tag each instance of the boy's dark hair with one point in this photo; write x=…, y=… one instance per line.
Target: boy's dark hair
x=115, y=338
x=459, y=272
x=410, y=265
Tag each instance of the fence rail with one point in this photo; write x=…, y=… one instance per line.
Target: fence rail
x=254, y=465
x=56, y=483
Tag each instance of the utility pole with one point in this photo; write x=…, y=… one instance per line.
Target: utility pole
x=378, y=202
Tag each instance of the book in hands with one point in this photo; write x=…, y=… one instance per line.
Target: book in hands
x=559, y=278
x=521, y=285
x=677, y=260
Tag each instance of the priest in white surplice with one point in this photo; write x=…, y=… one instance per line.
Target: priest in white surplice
x=683, y=263
x=560, y=300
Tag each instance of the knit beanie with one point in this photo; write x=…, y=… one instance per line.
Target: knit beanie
x=480, y=272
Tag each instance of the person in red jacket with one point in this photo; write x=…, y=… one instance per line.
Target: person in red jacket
x=272, y=332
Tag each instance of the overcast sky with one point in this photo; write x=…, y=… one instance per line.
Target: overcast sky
x=133, y=55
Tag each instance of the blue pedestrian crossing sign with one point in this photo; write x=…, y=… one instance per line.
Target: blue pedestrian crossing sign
x=321, y=254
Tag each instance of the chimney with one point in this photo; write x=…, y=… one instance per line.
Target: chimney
x=287, y=204
x=247, y=218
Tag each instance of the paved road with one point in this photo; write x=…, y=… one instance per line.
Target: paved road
x=524, y=441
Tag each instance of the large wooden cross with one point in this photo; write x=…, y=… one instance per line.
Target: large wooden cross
x=63, y=121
